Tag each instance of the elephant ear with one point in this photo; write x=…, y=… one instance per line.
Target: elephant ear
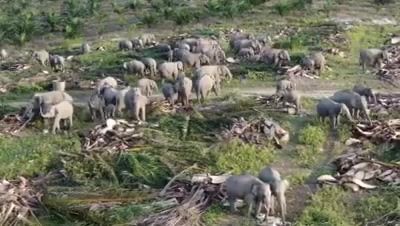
x=255, y=189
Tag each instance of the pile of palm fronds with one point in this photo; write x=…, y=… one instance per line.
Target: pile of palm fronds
x=114, y=136
x=356, y=170
x=379, y=131
x=296, y=71
x=391, y=71
x=257, y=131
x=194, y=197
x=19, y=201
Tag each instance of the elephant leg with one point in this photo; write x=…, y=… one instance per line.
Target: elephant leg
x=337, y=120
x=101, y=114
x=70, y=122
x=232, y=204
x=333, y=121
x=143, y=113
x=56, y=125
x=258, y=208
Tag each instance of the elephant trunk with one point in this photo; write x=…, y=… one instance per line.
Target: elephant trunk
x=49, y=114
x=284, y=184
x=346, y=111
x=374, y=98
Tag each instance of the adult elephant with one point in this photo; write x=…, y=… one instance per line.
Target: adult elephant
x=329, y=108
x=204, y=45
x=184, y=89
x=217, y=55
x=150, y=65
x=238, y=36
x=367, y=92
x=170, y=70
x=107, y=81
x=45, y=100
x=41, y=56
x=194, y=59
x=247, y=43
x=353, y=101
x=109, y=96
x=219, y=72
x=284, y=86
x=276, y=57
x=204, y=85
x=135, y=67
x=135, y=103
x=372, y=58
x=316, y=61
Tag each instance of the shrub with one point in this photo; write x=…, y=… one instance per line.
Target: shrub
x=285, y=7
x=186, y=15
x=314, y=136
x=135, y=4
x=327, y=208
x=150, y=19
x=73, y=27
x=238, y=157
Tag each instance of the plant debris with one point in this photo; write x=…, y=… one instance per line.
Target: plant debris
x=379, y=131
x=296, y=71
x=356, y=167
x=390, y=72
x=114, y=136
x=257, y=131
x=19, y=201
x=12, y=124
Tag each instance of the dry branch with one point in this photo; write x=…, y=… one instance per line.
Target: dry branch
x=379, y=131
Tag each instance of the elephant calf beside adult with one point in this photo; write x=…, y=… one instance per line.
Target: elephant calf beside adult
x=329, y=108
x=61, y=111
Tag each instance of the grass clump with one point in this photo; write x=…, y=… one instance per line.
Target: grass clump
x=327, y=208
x=285, y=7
x=31, y=155
x=238, y=157
x=312, y=138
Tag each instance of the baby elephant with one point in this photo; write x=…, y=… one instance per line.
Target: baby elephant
x=64, y=110
x=109, y=111
x=170, y=93
x=278, y=188
x=292, y=97
x=249, y=188
x=57, y=63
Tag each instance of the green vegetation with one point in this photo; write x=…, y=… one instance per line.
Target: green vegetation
x=313, y=138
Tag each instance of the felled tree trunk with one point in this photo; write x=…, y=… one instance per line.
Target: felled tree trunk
x=59, y=85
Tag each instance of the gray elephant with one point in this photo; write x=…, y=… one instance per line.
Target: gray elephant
x=278, y=188
x=125, y=45
x=170, y=70
x=47, y=99
x=147, y=86
x=367, y=92
x=137, y=43
x=135, y=67
x=372, y=58
x=41, y=56
x=107, y=81
x=250, y=189
x=204, y=45
x=96, y=105
x=275, y=57
x=218, y=72
x=184, y=46
x=292, y=97
x=284, y=86
x=121, y=99
x=85, y=48
x=148, y=39
x=162, y=48
x=57, y=63
x=247, y=43
x=109, y=95
x=353, y=101
x=63, y=110
x=316, y=61
x=179, y=53
x=192, y=42
x=135, y=102
x=170, y=93
x=150, y=65
x=329, y=108
x=238, y=36
x=184, y=88
x=3, y=54
x=194, y=59
x=204, y=84
x=109, y=111
x=217, y=55
x=246, y=53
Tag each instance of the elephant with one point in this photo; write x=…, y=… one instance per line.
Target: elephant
x=204, y=84
x=292, y=97
x=148, y=39
x=85, y=48
x=246, y=53
x=150, y=64
x=217, y=55
x=63, y=110
x=179, y=53
x=192, y=42
x=3, y=54
x=170, y=93
x=184, y=88
x=276, y=57
x=372, y=58
x=162, y=48
x=109, y=95
x=194, y=59
x=135, y=102
x=135, y=67
x=125, y=45
x=109, y=111
x=204, y=45
x=250, y=189
x=44, y=100
x=353, y=101
x=57, y=62
x=316, y=61
x=284, y=86
x=367, y=92
x=121, y=99
x=278, y=188
x=147, y=86
x=170, y=70
x=218, y=72
x=329, y=108
x=184, y=46
x=238, y=36
x=137, y=43
x=247, y=43
x=96, y=105
x=107, y=81
x=42, y=56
